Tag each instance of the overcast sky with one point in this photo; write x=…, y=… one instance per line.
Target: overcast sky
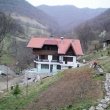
x=77, y=3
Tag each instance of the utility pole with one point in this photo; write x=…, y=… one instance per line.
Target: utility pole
x=7, y=78
x=27, y=87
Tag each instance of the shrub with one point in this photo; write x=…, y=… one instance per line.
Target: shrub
x=16, y=90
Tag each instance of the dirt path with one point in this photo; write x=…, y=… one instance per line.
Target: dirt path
x=3, y=85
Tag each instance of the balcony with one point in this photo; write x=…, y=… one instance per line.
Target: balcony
x=46, y=61
x=56, y=61
x=41, y=60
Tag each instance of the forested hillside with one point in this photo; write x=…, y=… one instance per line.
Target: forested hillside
x=26, y=13
x=69, y=16
x=12, y=48
x=19, y=21
x=94, y=29
x=8, y=26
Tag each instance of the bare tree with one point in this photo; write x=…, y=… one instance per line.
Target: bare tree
x=86, y=34
x=8, y=27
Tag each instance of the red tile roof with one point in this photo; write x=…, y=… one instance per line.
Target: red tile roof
x=36, y=42
x=63, y=45
x=51, y=42
x=77, y=47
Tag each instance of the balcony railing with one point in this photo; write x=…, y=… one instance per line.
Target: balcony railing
x=46, y=60
x=42, y=60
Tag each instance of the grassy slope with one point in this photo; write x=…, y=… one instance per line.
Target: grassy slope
x=77, y=89
x=105, y=64
x=61, y=90
x=95, y=55
x=6, y=56
x=104, y=61
x=10, y=102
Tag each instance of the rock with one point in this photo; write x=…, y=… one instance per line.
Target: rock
x=99, y=108
x=105, y=106
x=1, y=91
x=103, y=101
x=107, y=98
x=92, y=108
x=108, y=93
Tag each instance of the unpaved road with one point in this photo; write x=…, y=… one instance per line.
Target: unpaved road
x=3, y=84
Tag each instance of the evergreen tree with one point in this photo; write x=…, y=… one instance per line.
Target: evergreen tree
x=16, y=90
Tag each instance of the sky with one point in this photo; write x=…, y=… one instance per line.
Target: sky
x=77, y=3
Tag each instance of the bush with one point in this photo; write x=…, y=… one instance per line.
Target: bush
x=16, y=90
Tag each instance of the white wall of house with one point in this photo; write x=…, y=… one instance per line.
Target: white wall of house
x=39, y=67
x=49, y=57
x=42, y=68
x=54, y=68
x=74, y=61
x=61, y=58
x=44, y=71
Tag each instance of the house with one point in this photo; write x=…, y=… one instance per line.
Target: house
x=106, y=44
x=53, y=54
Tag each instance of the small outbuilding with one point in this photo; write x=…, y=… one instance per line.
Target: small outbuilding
x=106, y=44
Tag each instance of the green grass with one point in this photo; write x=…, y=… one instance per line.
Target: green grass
x=10, y=102
x=105, y=63
x=80, y=105
x=95, y=55
x=7, y=59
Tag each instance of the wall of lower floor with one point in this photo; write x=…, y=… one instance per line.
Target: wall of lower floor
x=52, y=68
x=46, y=70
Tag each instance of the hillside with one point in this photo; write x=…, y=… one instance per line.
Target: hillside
x=76, y=86
x=93, y=29
x=8, y=26
x=73, y=88
x=29, y=21
x=25, y=12
x=70, y=16
x=102, y=22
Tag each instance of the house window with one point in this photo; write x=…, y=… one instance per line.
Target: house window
x=43, y=57
x=70, y=59
x=55, y=58
x=44, y=66
x=59, y=67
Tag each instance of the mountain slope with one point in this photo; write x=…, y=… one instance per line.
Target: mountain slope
x=95, y=29
x=21, y=8
x=102, y=22
x=69, y=15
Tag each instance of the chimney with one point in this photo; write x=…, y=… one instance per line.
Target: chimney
x=61, y=38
